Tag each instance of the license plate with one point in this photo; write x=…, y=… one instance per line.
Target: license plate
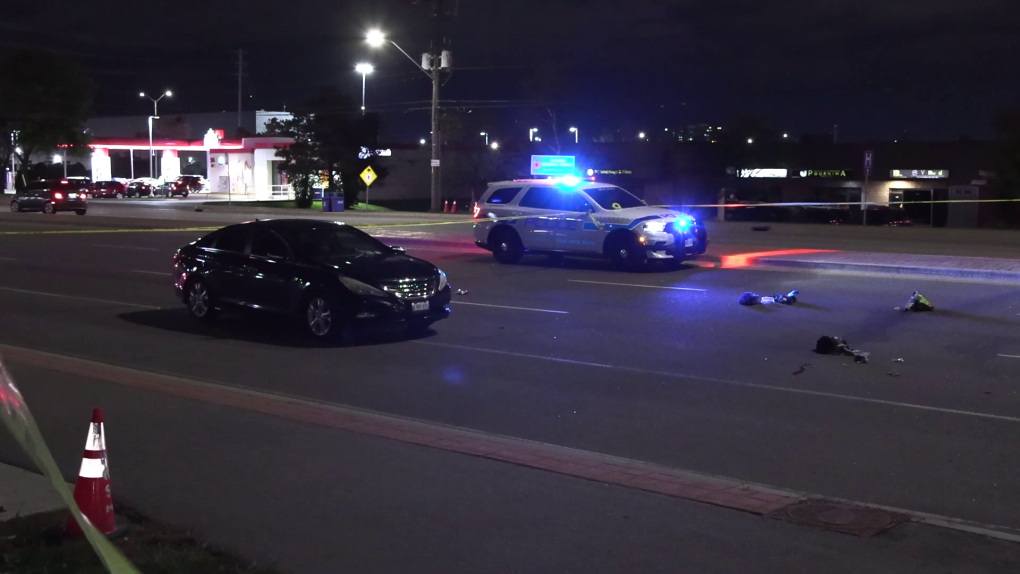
x=420, y=306
x=689, y=242
x=72, y=196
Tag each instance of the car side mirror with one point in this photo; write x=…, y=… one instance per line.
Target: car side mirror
x=397, y=248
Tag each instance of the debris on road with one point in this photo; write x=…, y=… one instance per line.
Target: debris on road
x=893, y=374
x=898, y=360
x=917, y=304
x=761, y=228
x=748, y=299
x=199, y=209
x=767, y=300
x=788, y=299
x=461, y=292
x=801, y=369
x=835, y=346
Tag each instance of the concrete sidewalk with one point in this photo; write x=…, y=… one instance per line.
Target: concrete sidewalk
x=23, y=493
x=971, y=268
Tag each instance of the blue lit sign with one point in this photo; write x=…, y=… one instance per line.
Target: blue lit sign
x=552, y=165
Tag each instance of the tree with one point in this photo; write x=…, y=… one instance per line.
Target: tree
x=44, y=102
x=328, y=133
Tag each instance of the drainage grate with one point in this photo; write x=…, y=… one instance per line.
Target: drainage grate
x=840, y=517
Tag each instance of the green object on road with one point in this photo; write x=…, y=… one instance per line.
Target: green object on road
x=918, y=303
x=19, y=421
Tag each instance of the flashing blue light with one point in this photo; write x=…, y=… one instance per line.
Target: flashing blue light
x=684, y=221
x=570, y=180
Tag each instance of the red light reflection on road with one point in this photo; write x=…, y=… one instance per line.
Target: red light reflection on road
x=746, y=259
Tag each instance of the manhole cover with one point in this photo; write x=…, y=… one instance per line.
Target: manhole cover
x=840, y=517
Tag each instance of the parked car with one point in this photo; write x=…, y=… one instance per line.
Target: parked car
x=331, y=276
x=191, y=183
x=51, y=197
x=139, y=189
x=107, y=189
x=172, y=188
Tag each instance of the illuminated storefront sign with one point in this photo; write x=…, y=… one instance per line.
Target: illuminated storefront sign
x=830, y=173
x=552, y=165
x=763, y=172
x=592, y=172
x=919, y=174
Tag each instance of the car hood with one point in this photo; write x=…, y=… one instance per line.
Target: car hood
x=387, y=268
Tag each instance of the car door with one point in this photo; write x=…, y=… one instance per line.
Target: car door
x=226, y=271
x=537, y=208
x=569, y=233
x=268, y=274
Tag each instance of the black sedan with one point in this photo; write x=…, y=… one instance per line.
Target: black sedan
x=331, y=276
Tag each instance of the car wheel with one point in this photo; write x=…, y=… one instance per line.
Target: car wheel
x=199, y=301
x=15, y=207
x=506, y=246
x=120, y=195
x=80, y=211
x=625, y=252
x=184, y=195
x=318, y=316
x=49, y=208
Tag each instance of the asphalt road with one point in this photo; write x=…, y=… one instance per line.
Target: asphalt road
x=661, y=366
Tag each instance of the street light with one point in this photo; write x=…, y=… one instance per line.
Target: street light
x=531, y=134
x=422, y=141
x=641, y=135
x=750, y=140
x=576, y=133
x=786, y=136
x=364, y=70
x=495, y=145
x=486, y=134
x=376, y=39
x=154, y=116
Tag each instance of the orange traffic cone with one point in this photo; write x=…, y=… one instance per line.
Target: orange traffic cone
x=446, y=206
x=453, y=209
x=92, y=490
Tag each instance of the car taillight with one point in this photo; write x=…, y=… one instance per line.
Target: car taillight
x=58, y=195
x=476, y=210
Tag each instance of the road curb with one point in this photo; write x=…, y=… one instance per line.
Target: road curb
x=894, y=270
x=24, y=493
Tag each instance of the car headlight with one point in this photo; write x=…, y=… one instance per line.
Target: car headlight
x=657, y=226
x=359, y=288
x=442, y=281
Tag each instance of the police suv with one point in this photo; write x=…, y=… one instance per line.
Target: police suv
x=570, y=216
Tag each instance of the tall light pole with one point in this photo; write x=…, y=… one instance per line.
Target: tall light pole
x=435, y=61
x=576, y=133
x=154, y=116
x=486, y=135
x=531, y=134
x=364, y=70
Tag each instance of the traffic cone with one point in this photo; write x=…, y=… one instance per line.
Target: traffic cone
x=92, y=490
x=453, y=209
x=446, y=206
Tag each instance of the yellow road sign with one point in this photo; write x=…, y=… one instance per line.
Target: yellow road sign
x=368, y=176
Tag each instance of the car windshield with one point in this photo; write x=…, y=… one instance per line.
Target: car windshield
x=335, y=244
x=614, y=198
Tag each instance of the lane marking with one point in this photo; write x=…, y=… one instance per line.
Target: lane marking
x=1011, y=356
x=92, y=231
x=727, y=382
x=124, y=247
x=90, y=299
x=717, y=490
x=637, y=285
x=7, y=259
x=513, y=308
x=161, y=273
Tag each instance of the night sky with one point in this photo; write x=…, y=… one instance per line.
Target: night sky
x=928, y=68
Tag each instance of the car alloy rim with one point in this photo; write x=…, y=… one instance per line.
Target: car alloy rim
x=504, y=247
x=623, y=254
x=319, y=317
x=14, y=206
x=199, y=299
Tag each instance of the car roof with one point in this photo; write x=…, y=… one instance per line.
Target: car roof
x=289, y=224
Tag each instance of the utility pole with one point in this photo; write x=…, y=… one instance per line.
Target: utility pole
x=240, y=75
x=437, y=139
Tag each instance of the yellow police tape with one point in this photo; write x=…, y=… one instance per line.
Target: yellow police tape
x=19, y=421
x=513, y=217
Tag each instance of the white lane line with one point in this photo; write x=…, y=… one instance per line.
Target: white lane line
x=7, y=259
x=161, y=273
x=728, y=382
x=638, y=285
x=1011, y=356
x=512, y=308
x=124, y=247
x=90, y=299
